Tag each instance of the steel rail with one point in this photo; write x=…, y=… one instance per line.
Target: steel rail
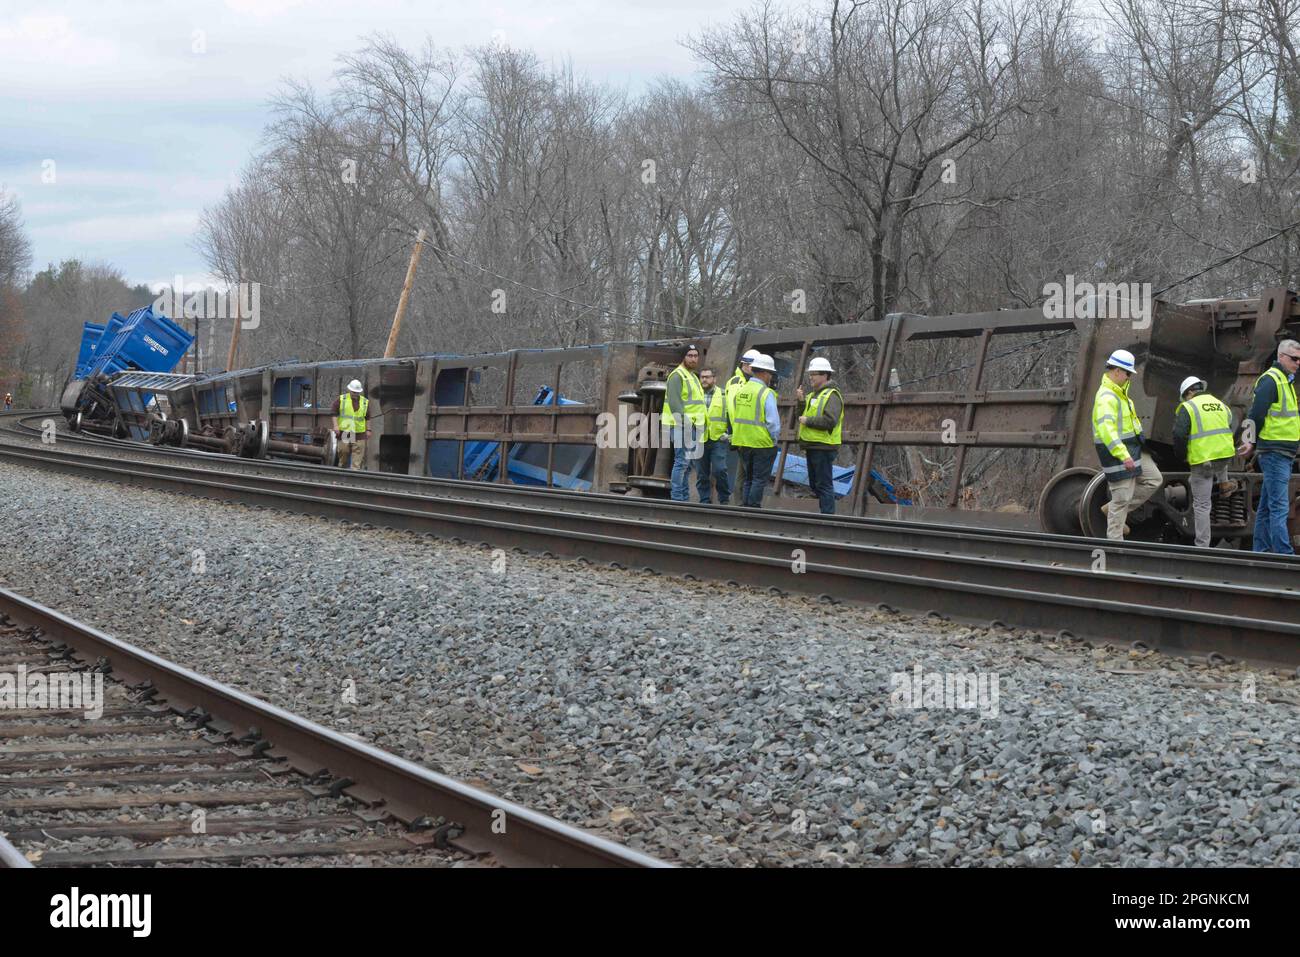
x=512, y=834
x=10, y=856
x=1144, y=559
x=1172, y=614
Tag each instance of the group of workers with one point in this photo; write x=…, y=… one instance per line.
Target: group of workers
x=707, y=422
x=1203, y=437
x=741, y=416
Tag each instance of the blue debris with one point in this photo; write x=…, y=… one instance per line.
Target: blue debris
x=144, y=340
x=527, y=462
x=796, y=473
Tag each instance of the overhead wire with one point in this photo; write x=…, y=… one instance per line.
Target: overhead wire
x=1227, y=259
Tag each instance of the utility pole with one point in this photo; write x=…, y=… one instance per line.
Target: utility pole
x=391, y=349
x=234, y=333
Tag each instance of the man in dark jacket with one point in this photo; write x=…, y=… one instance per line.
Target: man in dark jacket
x=820, y=429
x=1273, y=425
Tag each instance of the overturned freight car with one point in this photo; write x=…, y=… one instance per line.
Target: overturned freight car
x=1000, y=434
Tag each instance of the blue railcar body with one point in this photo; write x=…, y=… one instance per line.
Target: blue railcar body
x=144, y=340
x=91, y=332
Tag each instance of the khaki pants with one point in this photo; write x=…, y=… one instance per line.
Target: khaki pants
x=1203, y=478
x=352, y=454
x=1129, y=494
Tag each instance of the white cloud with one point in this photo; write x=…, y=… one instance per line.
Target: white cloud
x=263, y=9
x=147, y=132
x=189, y=281
x=123, y=230
x=51, y=43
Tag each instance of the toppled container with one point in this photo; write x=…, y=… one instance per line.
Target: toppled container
x=144, y=340
x=91, y=333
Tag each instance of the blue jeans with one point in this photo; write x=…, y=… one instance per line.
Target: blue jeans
x=757, y=464
x=685, y=442
x=713, y=465
x=1271, y=514
x=821, y=463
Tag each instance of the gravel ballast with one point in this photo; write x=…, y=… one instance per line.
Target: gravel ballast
x=700, y=723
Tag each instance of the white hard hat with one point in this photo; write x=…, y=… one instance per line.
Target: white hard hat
x=1190, y=381
x=1122, y=359
x=750, y=356
x=763, y=362
x=820, y=365
x=355, y=386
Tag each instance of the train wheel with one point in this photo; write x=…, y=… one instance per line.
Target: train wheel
x=1149, y=523
x=331, y=456
x=1058, y=505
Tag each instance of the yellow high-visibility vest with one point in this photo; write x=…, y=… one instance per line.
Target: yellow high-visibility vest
x=692, y=399
x=1210, y=436
x=717, y=411
x=813, y=407
x=1116, y=429
x=748, y=418
x=1283, y=421
x=351, y=418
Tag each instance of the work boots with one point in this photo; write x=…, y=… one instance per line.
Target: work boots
x=1106, y=509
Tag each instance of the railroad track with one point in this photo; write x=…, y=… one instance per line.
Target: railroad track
x=1135, y=557
x=1174, y=598
x=176, y=769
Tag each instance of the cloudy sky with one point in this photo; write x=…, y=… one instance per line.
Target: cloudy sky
x=121, y=119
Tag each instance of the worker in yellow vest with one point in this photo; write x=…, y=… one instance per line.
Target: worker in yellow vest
x=735, y=467
x=820, y=429
x=1117, y=435
x=351, y=412
x=1273, y=423
x=683, y=416
x=755, y=428
x=1203, y=436
x=741, y=375
x=712, y=468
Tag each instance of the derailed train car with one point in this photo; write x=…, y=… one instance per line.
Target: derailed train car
x=562, y=417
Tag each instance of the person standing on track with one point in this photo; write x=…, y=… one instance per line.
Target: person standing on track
x=712, y=467
x=351, y=413
x=820, y=427
x=683, y=416
x=1117, y=434
x=9, y=401
x=735, y=467
x=1274, y=424
x=755, y=428
x=1203, y=437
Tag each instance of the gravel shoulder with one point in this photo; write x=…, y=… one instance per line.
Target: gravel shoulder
x=700, y=723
